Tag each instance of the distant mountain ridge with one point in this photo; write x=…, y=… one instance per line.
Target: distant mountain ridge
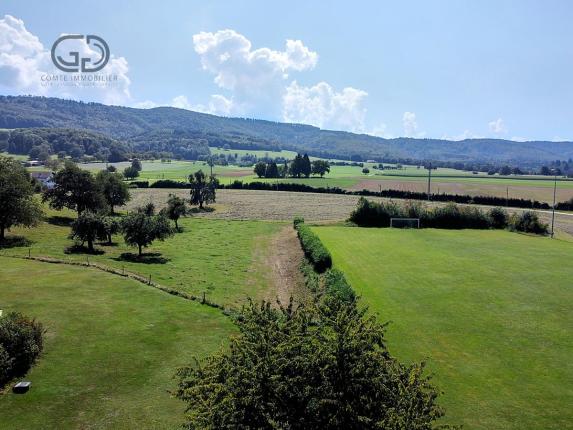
x=188, y=133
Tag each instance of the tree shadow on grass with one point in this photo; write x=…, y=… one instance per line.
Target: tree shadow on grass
x=62, y=221
x=146, y=258
x=81, y=249
x=15, y=242
x=197, y=210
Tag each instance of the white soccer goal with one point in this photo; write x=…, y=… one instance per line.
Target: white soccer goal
x=405, y=222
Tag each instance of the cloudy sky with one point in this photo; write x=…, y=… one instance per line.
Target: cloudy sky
x=446, y=69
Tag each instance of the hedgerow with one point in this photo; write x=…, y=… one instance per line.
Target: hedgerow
x=399, y=194
x=450, y=216
x=313, y=248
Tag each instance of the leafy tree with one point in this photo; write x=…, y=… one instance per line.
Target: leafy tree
x=21, y=341
x=322, y=366
x=75, y=189
x=505, y=170
x=148, y=209
x=203, y=189
x=175, y=209
x=366, y=170
x=140, y=229
x=112, y=226
x=111, y=168
x=296, y=166
x=136, y=164
x=17, y=203
x=130, y=172
x=320, y=167
x=89, y=227
x=272, y=170
x=113, y=188
x=306, y=167
x=260, y=169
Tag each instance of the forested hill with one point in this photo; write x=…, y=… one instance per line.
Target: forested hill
x=187, y=134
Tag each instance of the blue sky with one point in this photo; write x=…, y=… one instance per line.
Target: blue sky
x=449, y=69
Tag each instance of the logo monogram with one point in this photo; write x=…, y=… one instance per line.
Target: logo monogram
x=77, y=63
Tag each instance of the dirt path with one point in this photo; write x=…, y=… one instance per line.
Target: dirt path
x=284, y=259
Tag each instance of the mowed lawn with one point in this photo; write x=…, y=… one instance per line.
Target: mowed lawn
x=491, y=311
x=112, y=348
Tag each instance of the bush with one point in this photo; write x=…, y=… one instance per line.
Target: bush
x=498, y=217
x=169, y=183
x=139, y=184
x=337, y=287
x=450, y=216
x=528, y=222
x=21, y=341
x=453, y=216
x=313, y=248
x=297, y=220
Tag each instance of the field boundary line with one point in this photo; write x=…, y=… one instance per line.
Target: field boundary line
x=124, y=274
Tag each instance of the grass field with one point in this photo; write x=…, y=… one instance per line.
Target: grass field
x=112, y=348
x=222, y=258
x=491, y=311
x=410, y=178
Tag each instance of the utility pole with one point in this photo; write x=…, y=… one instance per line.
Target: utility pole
x=553, y=211
x=429, y=180
x=507, y=197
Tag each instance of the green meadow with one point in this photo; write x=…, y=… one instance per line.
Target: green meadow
x=112, y=348
x=223, y=259
x=490, y=311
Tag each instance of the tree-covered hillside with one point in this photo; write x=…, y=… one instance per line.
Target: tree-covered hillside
x=187, y=134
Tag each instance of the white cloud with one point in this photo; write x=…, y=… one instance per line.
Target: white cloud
x=410, y=124
x=23, y=60
x=466, y=134
x=497, y=126
x=256, y=77
x=322, y=106
x=380, y=130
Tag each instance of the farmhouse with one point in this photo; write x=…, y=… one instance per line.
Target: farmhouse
x=45, y=178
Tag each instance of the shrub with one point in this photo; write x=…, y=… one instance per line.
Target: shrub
x=169, y=183
x=21, y=341
x=498, y=217
x=314, y=249
x=297, y=220
x=453, y=216
x=307, y=367
x=337, y=287
x=528, y=222
x=139, y=184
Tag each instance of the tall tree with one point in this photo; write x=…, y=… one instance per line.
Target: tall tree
x=322, y=366
x=89, y=227
x=18, y=207
x=320, y=167
x=296, y=166
x=260, y=169
x=203, y=189
x=130, y=172
x=306, y=167
x=75, y=189
x=272, y=170
x=113, y=188
x=140, y=229
x=136, y=164
x=175, y=209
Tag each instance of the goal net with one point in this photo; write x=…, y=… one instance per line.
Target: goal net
x=405, y=222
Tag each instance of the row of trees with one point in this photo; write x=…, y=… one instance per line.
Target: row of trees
x=139, y=228
x=300, y=166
